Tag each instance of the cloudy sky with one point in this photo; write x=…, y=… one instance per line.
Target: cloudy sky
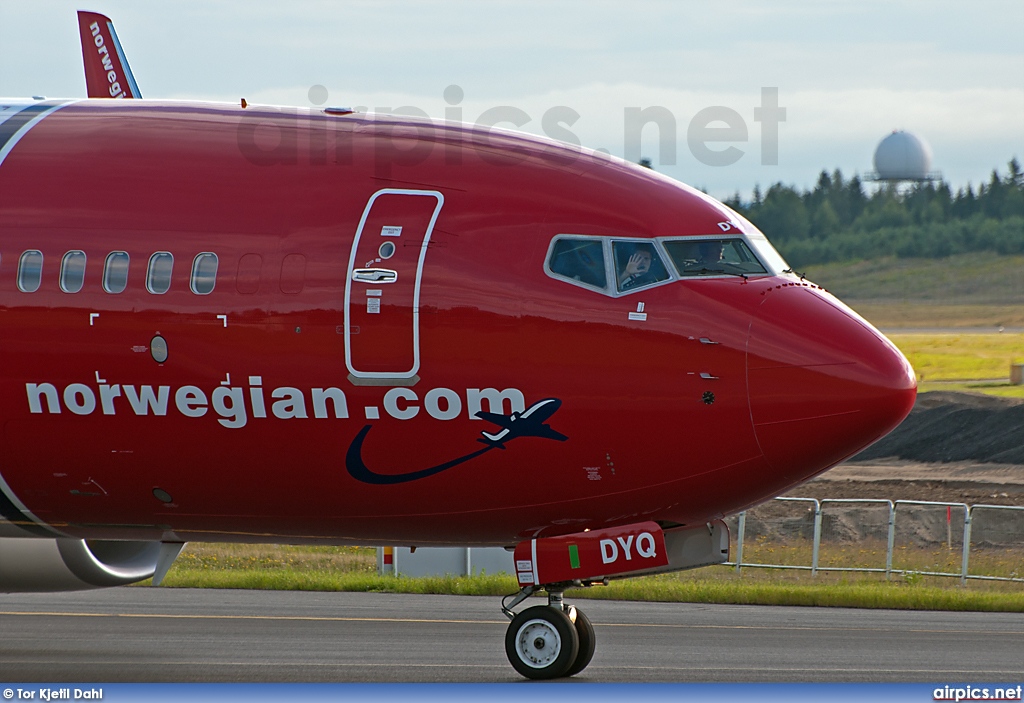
x=847, y=73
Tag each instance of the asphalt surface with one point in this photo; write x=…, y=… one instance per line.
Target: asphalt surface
x=179, y=635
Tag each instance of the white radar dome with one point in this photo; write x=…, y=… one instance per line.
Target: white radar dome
x=903, y=156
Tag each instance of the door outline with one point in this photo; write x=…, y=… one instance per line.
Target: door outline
x=370, y=375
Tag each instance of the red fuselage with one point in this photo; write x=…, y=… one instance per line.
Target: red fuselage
x=291, y=407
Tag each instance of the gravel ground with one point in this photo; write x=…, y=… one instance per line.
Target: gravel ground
x=951, y=427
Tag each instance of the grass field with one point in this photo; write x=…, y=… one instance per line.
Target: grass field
x=964, y=362
x=982, y=279
x=972, y=290
x=905, y=316
x=354, y=569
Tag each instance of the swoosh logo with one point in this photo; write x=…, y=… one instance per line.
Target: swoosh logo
x=529, y=423
x=359, y=471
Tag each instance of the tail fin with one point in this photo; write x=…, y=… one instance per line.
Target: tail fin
x=107, y=74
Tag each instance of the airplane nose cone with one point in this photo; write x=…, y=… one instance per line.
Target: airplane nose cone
x=823, y=383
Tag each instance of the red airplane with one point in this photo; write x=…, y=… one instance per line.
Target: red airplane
x=285, y=325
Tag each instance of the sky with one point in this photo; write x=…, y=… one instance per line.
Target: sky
x=844, y=74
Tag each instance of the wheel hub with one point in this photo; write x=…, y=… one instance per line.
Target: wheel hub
x=539, y=643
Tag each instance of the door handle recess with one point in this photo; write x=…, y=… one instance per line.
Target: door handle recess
x=375, y=275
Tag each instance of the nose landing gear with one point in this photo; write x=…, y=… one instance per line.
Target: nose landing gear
x=548, y=641
x=555, y=640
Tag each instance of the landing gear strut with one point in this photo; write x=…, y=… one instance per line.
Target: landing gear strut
x=554, y=640
x=548, y=641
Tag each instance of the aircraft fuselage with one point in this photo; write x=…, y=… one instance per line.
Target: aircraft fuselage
x=321, y=385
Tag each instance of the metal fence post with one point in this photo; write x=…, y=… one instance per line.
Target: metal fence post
x=741, y=527
x=892, y=541
x=890, y=557
x=817, y=538
x=967, y=544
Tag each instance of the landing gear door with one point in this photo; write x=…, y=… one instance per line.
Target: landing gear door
x=382, y=290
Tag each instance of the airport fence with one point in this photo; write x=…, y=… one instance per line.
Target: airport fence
x=903, y=537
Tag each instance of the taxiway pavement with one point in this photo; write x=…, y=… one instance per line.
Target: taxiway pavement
x=183, y=635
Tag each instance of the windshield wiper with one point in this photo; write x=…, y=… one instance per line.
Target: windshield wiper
x=724, y=272
x=795, y=273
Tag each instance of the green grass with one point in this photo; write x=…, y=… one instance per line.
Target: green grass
x=969, y=362
x=961, y=357
x=264, y=558
x=320, y=580
x=969, y=279
x=970, y=290
x=911, y=315
x=1003, y=562
x=1003, y=390
x=902, y=593
x=272, y=567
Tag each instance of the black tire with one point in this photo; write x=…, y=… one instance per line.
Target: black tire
x=588, y=643
x=541, y=643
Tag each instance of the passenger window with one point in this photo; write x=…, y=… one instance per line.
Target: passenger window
x=713, y=257
x=637, y=265
x=293, y=273
x=204, y=273
x=115, y=272
x=247, y=281
x=158, y=276
x=30, y=271
x=579, y=259
x=72, y=271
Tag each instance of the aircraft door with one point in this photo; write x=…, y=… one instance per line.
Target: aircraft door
x=382, y=290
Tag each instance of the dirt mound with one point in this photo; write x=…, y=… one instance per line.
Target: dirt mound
x=947, y=427
x=832, y=485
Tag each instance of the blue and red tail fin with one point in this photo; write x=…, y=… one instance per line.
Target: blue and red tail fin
x=107, y=74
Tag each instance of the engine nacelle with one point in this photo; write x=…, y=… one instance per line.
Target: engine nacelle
x=38, y=565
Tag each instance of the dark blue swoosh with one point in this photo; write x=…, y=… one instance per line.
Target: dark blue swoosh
x=358, y=470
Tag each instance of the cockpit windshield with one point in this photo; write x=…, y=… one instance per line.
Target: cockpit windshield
x=713, y=257
x=621, y=266
x=637, y=264
x=578, y=259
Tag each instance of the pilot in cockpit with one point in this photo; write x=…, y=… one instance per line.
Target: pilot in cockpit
x=637, y=268
x=705, y=256
x=637, y=264
x=709, y=253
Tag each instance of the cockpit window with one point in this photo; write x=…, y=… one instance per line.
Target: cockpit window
x=712, y=257
x=579, y=259
x=637, y=265
x=618, y=267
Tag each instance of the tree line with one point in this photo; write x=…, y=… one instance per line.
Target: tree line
x=839, y=221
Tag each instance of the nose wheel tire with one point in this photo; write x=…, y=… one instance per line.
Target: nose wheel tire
x=542, y=643
x=588, y=642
